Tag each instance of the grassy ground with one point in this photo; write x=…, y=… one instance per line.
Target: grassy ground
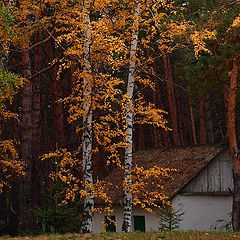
x=135, y=236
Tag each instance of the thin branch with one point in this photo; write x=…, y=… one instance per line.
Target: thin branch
x=40, y=72
x=40, y=42
x=55, y=40
x=163, y=80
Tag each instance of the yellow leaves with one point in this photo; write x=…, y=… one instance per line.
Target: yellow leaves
x=149, y=114
x=10, y=164
x=169, y=34
x=51, y=1
x=146, y=186
x=145, y=82
x=236, y=22
x=198, y=39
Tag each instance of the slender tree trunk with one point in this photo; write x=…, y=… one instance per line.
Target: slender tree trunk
x=141, y=142
x=223, y=134
x=181, y=122
x=209, y=121
x=194, y=135
x=36, y=115
x=26, y=219
x=202, y=132
x=156, y=140
x=226, y=99
x=57, y=107
x=87, y=127
x=232, y=138
x=128, y=198
x=171, y=99
x=57, y=112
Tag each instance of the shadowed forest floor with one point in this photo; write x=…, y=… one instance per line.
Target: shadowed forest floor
x=136, y=236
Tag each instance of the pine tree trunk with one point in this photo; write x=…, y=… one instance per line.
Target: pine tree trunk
x=209, y=121
x=226, y=99
x=202, y=131
x=156, y=140
x=59, y=139
x=141, y=142
x=231, y=121
x=36, y=116
x=171, y=99
x=194, y=135
x=128, y=198
x=26, y=218
x=87, y=128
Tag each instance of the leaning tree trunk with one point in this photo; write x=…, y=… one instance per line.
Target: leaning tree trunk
x=193, y=126
x=232, y=138
x=87, y=127
x=128, y=198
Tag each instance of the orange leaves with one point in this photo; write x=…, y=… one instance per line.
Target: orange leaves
x=168, y=36
x=236, y=22
x=10, y=164
x=198, y=39
x=147, y=113
x=147, y=187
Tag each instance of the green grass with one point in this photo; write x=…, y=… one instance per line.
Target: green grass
x=136, y=236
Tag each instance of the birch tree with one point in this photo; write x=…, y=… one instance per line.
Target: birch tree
x=154, y=14
x=98, y=49
x=128, y=198
x=87, y=124
x=95, y=53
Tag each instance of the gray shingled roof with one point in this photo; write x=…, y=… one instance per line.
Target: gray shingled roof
x=188, y=161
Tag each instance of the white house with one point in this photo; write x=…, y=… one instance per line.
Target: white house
x=201, y=188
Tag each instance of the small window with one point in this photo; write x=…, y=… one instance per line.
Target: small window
x=110, y=224
x=139, y=223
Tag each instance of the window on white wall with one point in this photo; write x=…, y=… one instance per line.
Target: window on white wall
x=110, y=222
x=139, y=223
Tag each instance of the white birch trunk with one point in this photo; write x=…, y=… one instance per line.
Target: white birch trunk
x=87, y=127
x=128, y=198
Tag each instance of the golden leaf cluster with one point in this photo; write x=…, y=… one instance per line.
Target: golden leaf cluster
x=198, y=39
x=11, y=166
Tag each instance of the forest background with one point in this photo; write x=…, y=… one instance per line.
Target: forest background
x=74, y=75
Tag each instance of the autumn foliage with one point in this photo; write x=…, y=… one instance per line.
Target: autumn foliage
x=85, y=84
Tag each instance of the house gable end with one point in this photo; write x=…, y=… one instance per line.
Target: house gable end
x=216, y=177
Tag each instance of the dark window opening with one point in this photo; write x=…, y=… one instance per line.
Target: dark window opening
x=139, y=223
x=110, y=224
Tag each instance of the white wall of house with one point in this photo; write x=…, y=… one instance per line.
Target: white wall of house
x=151, y=219
x=201, y=213
x=204, y=212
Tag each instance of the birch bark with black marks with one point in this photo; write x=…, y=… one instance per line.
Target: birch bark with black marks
x=128, y=198
x=87, y=126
